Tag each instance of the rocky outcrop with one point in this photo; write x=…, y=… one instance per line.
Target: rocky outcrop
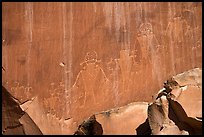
x=90, y=127
x=67, y=61
x=175, y=110
x=77, y=59
x=14, y=120
x=122, y=120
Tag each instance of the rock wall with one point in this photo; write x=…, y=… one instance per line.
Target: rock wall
x=175, y=110
x=81, y=58
x=14, y=120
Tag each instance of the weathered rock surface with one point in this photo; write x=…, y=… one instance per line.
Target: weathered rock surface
x=14, y=120
x=90, y=127
x=175, y=110
x=122, y=120
x=192, y=82
x=178, y=108
x=71, y=60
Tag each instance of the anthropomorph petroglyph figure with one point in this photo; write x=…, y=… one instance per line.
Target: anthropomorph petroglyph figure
x=120, y=74
x=181, y=30
x=175, y=29
x=147, y=40
x=180, y=26
x=150, y=49
x=89, y=85
x=113, y=75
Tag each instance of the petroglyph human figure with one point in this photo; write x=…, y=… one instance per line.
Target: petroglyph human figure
x=192, y=31
x=148, y=42
x=113, y=71
x=120, y=74
x=181, y=26
x=89, y=82
x=175, y=29
x=147, y=39
x=150, y=49
x=181, y=30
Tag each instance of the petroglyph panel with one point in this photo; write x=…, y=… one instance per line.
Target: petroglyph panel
x=82, y=58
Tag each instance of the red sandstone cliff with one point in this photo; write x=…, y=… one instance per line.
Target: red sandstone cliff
x=67, y=61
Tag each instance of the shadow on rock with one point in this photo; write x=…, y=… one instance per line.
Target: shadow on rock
x=178, y=115
x=144, y=128
x=90, y=127
x=14, y=120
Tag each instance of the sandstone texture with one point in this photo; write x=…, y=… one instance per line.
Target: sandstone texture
x=175, y=110
x=66, y=61
x=123, y=120
x=14, y=120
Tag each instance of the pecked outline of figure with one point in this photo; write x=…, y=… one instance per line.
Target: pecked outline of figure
x=85, y=87
x=179, y=32
x=113, y=75
x=150, y=48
